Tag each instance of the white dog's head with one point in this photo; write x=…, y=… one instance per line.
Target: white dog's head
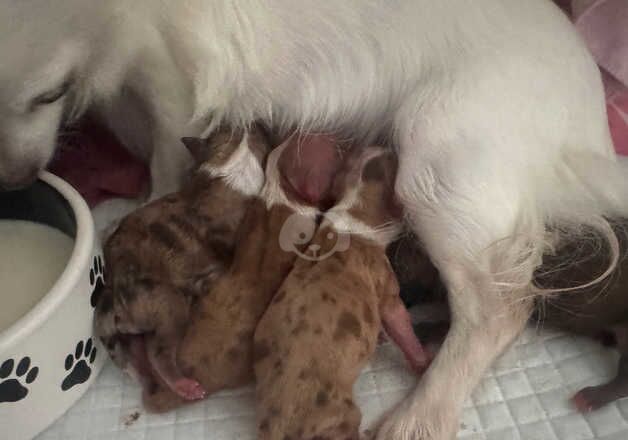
x=41, y=58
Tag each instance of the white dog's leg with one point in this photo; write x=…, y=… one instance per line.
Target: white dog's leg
x=168, y=165
x=471, y=215
x=482, y=327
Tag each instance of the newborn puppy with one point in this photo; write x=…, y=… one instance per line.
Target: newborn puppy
x=171, y=251
x=600, y=311
x=322, y=326
x=218, y=347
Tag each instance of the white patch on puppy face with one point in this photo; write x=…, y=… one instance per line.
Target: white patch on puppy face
x=242, y=172
x=273, y=193
x=345, y=224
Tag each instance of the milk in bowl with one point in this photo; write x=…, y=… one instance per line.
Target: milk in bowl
x=32, y=257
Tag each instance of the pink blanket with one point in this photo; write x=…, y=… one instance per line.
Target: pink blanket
x=604, y=26
x=93, y=161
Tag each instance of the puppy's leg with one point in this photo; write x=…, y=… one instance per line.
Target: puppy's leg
x=398, y=326
x=465, y=240
x=593, y=398
x=169, y=311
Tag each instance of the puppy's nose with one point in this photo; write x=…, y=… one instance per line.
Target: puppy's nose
x=314, y=247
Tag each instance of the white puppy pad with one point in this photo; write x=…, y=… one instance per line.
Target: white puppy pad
x=525, y=396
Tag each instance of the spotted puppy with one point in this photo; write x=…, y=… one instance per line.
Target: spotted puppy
x=170, y=252
x=323, y=324
x=218, y=347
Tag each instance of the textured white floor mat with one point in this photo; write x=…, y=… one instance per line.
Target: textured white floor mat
x=525, y=396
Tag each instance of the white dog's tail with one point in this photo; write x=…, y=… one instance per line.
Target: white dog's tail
x=593, y=184
x=592, y=190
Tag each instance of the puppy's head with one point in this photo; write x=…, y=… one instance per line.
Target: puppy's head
x=236, y=156
x=217, y=149
x=366, y=191
x=41, y=61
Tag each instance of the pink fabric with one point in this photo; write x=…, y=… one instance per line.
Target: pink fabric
x=604, y=26
x=98, y=166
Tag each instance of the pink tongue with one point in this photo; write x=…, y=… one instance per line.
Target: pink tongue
x=309, y=165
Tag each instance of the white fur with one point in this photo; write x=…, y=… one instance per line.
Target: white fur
x=345, y=223
x=495, y=105
x=242, y=172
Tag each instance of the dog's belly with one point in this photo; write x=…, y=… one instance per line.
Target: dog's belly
x=358, y=64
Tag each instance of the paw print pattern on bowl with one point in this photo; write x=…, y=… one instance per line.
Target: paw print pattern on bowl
x=78, y=364
x=96, y=280
x=14, y=389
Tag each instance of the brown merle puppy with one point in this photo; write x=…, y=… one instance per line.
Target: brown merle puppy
x=171, y=251
x=600, y=311
x=323, y=324
x=217, y=349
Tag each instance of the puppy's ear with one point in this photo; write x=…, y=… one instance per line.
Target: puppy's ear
x=197, y=147
x=380, y=168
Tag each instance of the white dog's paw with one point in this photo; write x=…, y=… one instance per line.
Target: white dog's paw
x=416, y=422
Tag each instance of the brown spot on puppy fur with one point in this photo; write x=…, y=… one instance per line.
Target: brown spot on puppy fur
x=280, y=296
x=166, y=254
x=303, y=326
x=322, y=398
x=260, y=351
x=348, y=324
x=264, y=425
x=368, y=314
x=337, y=292
x=165, y=236
x=234, y=353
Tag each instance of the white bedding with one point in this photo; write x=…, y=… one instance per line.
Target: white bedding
x=525, y=396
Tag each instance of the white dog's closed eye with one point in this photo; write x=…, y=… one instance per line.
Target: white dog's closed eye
x=30, y=121
x=49, y=82
x=51, y=96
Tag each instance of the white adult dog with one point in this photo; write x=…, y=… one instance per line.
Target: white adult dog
x=496, y=108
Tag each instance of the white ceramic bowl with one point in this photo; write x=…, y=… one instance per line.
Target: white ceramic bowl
x=49, y=358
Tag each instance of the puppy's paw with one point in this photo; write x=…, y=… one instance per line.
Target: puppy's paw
x=189, y=389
